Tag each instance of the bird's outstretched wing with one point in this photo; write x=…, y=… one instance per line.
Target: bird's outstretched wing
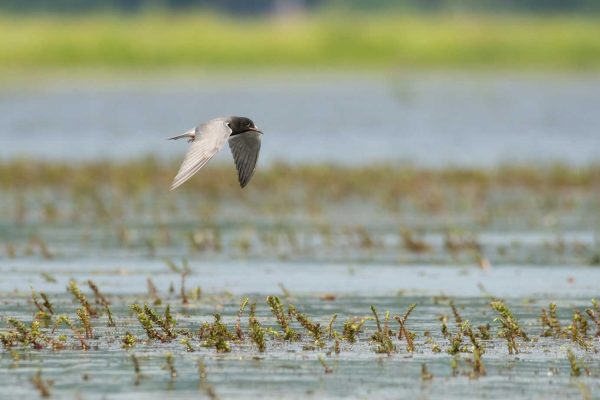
x=209, y=139
x=245, y=148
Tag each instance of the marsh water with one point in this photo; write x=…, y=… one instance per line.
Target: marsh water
x=432, y=119
x=334, y=253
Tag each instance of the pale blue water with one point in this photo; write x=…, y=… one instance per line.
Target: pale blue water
x=433, y=119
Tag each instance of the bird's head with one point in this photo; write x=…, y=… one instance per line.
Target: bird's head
x=241, y=124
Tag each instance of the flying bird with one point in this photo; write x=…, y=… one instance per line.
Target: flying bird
x=208, y=138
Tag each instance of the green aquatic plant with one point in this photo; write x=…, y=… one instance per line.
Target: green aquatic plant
x=314, y=328
x=352, y=327
x=578, y=330
x=44, y=307
x=257, y=332
x=238, y=324
x=404, y=332
x=27, y=336
x=284, y=321
x=594, y=314
x=478, y=366
x=510, y=328
x=429, y=340
x=577, y=365
x=468, y=332
x=382, y=337
x=84, y=317
x=149, y=318
x=331, y=333
x=187, y=344
x=128, y=341
x=103, y=301
x=153, y=292
x=484, y=332
x=550, y=322
x=216, y=335
x=81, y=298
x=457, y=317
x=65, y=320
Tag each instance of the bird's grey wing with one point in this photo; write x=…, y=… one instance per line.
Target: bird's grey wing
x=245, y=148
x=209, y=139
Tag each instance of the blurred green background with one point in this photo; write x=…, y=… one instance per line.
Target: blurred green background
x=353, y=34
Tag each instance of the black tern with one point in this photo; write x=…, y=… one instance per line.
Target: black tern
x=207, y=139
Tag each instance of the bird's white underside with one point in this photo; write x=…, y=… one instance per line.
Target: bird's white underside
x=209, y=138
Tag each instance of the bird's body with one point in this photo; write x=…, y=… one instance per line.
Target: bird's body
x=208, y=138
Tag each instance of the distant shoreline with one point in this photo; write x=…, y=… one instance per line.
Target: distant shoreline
x=354, y=42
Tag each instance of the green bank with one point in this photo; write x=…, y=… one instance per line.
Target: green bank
x=329, y=41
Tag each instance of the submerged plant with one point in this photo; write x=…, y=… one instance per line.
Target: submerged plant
x=425, y=374
x=203, y=384
x=170, y=366
x=326, y=367
x=42, y=385
x=136, y=369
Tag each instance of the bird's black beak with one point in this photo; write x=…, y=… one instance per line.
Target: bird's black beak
x=255, y=129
